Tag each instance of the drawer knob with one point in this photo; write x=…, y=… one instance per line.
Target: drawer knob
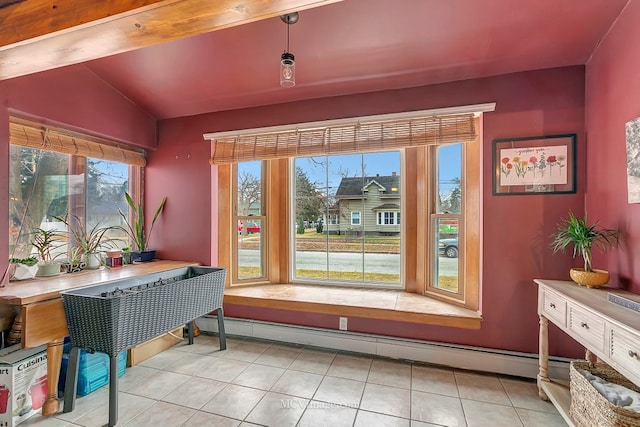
x=552, y=305
x=584, y=325
x=633, y=354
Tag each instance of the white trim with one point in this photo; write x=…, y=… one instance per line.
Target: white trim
x=455, y=356
x=476, y=109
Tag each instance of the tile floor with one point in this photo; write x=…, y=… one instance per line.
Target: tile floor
x=275, y=384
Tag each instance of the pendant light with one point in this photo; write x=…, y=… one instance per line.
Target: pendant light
x=287, y=60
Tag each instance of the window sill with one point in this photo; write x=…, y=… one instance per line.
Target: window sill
x=365, y=303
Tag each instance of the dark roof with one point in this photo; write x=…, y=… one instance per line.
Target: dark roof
x=350, y=187
x=386, y=206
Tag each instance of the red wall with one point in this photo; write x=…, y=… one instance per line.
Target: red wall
x=180, y=170
x=515, y=229
x=77, y=99
x=613, y=98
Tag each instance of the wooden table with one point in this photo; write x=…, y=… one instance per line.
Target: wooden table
x=42, y=313
x=608, y=332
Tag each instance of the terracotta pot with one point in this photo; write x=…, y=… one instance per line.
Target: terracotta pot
x=590, y=279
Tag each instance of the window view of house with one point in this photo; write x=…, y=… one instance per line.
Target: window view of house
x=447, y=218
x=347, y=214
x=47, y=186
x=250, y=221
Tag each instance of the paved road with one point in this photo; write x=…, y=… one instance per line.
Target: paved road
x=348, y=261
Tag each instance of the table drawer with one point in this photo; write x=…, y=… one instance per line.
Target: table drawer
x=588, y=327
x=624, y=349
x=43, y=322
x=554, y=307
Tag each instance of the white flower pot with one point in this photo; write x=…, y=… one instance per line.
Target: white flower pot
x=93, y=261
x=24, y=272
x=48, y=269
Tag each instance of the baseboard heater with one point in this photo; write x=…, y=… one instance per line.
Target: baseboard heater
x=451, y=355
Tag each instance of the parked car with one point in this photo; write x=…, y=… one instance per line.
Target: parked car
x=448, y=247
x=252, y=227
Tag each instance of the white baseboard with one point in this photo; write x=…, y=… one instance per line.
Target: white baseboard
x=456, y=356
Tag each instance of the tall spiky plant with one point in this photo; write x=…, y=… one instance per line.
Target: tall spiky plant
x=583, y=236
x=136, y=229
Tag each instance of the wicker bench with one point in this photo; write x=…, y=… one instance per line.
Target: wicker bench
x=115, y=316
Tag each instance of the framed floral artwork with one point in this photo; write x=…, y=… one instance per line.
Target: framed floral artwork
x=632, y=131
x=534, y=165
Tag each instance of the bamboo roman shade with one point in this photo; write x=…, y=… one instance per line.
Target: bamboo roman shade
x=343, y=138
x=36, y=135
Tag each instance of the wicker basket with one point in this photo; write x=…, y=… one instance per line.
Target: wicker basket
x=117, y=315
x=591, y=409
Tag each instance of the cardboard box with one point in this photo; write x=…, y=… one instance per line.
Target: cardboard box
x=23, y=383
x=144, y=351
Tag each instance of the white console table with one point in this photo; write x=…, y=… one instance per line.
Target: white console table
x=606, y=330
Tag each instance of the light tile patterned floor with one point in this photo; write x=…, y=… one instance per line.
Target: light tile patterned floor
x=275, y=384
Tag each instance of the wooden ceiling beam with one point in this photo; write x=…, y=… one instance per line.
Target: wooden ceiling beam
x=38, y=35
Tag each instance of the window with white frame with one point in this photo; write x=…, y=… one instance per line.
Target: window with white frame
x=388, y=218
x=355, y=218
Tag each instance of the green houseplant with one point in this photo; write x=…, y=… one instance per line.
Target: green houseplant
x=44, y=242
x=87, y=242
x=23, y=268
x=577, y=232
x=136, y=229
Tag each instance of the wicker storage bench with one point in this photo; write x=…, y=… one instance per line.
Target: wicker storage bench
x=115, y=316
x=591, y=409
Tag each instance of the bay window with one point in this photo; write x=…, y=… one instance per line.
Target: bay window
x=343, y=208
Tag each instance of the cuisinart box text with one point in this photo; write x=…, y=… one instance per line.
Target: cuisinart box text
x=23, y=383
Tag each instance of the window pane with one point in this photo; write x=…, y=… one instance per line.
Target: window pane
x=449, y=178
x=250, y=222
x=346, y=223
x=39, y=189
x=447, y=265
x=249, y=248
x=106, y=184
x=46, y=187
x=446, y=226
x=249, y=188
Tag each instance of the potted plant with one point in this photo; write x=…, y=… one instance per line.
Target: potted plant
x=136, y=228
x=23, y=268
x=584, y=237
x=44, y=241
x=88, y=242
x=75, y=263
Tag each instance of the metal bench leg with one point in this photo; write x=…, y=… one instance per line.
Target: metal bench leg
x=113, y=390
x=223, y=337
x=71, y=382
x=190, y=331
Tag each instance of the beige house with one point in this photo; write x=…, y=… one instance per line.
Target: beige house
x=369, y=205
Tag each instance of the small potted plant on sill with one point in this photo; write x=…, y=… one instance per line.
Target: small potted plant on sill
x=87, y=242
x=137, y=231
x=23, y=268
x=584, y=237
x=44, y=241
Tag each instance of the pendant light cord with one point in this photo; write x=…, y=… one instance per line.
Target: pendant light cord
x=288, y=25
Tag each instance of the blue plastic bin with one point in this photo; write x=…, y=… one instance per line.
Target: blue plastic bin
x=93, y=370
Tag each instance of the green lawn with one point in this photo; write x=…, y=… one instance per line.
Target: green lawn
x=446, y=282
